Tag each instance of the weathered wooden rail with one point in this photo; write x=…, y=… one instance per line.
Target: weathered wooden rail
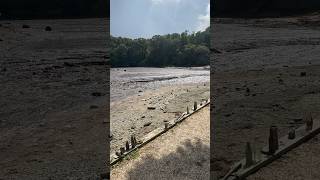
x=274, y=150
x=134, y=144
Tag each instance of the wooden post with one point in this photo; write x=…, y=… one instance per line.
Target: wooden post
x=273, y=140
x=249, y=155
x=127, y=146
x=118, y=154
x=309, y=122
x=292, y=134
x=133, y=142
x=195, y=106
x=188, y=110
x=166, y=125
x=122, y=150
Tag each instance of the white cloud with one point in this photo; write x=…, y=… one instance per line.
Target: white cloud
x=204, y=20
x=165, y=1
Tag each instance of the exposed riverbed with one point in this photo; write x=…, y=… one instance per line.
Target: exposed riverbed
x=168, y=90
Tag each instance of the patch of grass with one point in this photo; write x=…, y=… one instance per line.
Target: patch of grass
x=133, y=155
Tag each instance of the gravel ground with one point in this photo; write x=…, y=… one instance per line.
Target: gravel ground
x=182, y=153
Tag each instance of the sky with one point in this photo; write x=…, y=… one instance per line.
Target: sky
x=146, y=18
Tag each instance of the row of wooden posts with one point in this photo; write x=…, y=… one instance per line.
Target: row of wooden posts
x=133, y=143
x=274, y=142
x=127, y=146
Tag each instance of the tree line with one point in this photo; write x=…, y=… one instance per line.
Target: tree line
x=177, y=49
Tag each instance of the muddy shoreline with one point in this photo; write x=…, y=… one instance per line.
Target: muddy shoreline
x=132, y=116
x=267, y=74
x=53, y=99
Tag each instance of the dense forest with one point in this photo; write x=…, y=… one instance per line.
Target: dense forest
x=35, y=9
x=182, y=50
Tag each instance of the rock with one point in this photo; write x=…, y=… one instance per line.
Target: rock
x=48, y=28
x=93, y=107
x=151, y=108
x=143, y=117
x=124, y=70
x=303, y=74
x=25, y=26
x=140, y=91
x=147, y=124
x=247, y=126
x=227, y=115
x=105, y=176
x=133, y=127
x=297, y=120
x=68, y=64
x=70, y=141
x=96, y=94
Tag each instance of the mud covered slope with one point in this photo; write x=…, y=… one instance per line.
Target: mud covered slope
x=53, y=99
x=267, y=73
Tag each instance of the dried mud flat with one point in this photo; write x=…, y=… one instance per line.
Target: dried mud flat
x=135, y=115
x=53, y=99
x=267, y=74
